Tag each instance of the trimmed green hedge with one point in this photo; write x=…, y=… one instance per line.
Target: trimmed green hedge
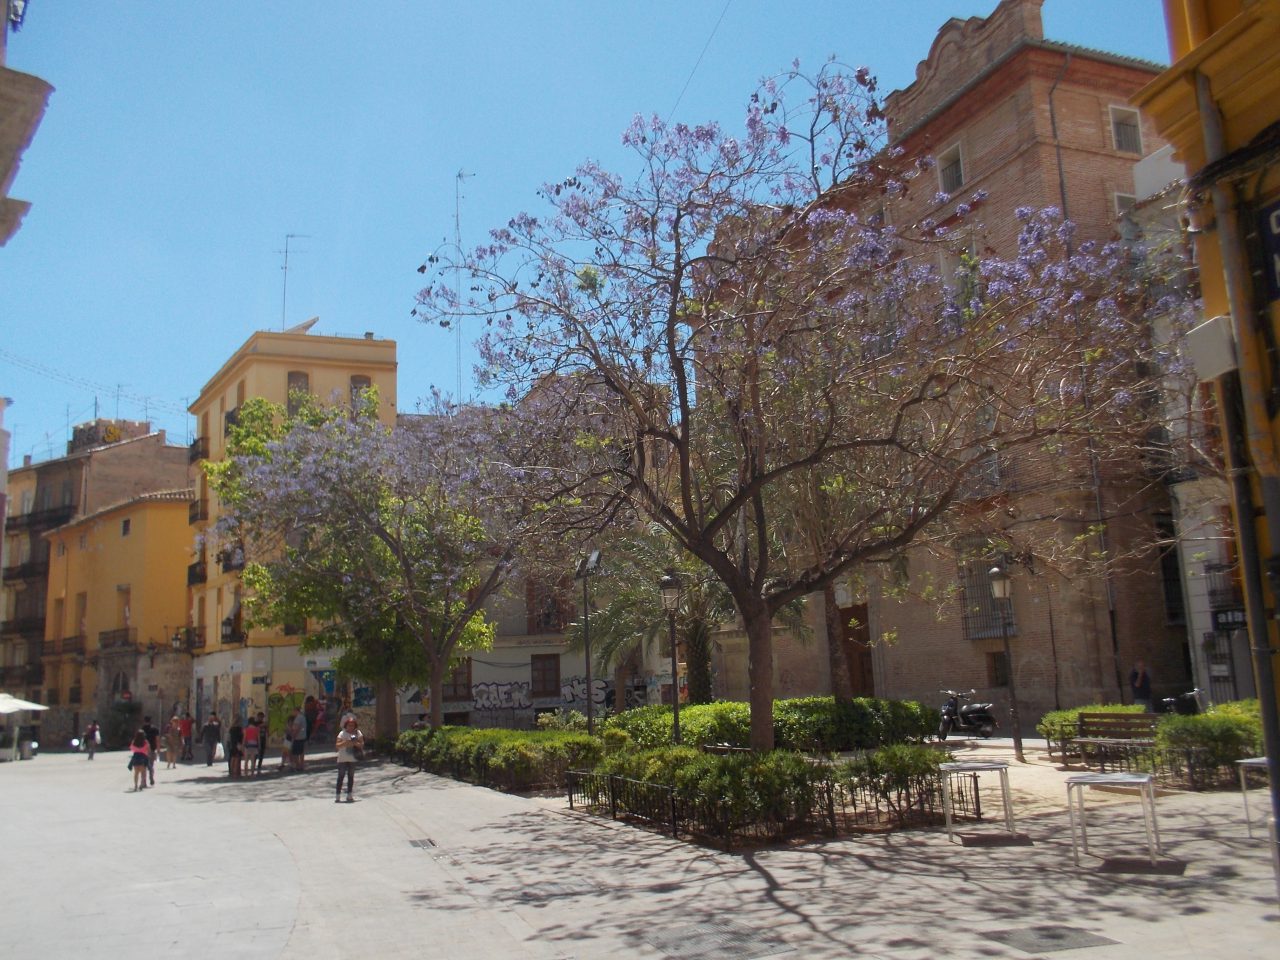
x=820, y=724
x=507, y=759
x=1225, y=734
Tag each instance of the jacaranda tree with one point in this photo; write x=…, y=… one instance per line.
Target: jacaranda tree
x=741, y=335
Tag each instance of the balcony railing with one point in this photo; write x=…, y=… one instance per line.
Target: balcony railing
x=31, y=570
x=1224, y=588
x=197, y=511
x=14, y=675
x=50, y=648
x=117, y=639
x=73, y=644
x=193, y=638
x=23, y=625
x=41, y=519
x=231, y=558
x=197, y=572
x=198, y=450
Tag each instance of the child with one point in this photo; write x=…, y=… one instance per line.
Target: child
x=139, y=760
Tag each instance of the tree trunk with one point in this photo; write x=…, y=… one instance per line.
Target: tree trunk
x=759, y=625
x=436, y=688
x=621, y=677
x=697, y=647
x=386, y=719
x=837, y=654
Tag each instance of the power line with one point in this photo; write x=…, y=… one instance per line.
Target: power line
x=697, y=64
x=51, y=373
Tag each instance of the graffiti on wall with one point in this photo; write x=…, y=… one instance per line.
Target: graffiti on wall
x=280, y=703
x=498, y=696
x=573, y=691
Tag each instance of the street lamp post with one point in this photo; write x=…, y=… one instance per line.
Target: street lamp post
x=589, y=565
x=670, y=587
x=1001, y=584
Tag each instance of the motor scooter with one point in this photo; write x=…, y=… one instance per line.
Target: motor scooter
x=968, y=720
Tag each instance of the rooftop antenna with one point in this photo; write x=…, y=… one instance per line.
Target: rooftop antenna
x=457, y=275
x=284, y=297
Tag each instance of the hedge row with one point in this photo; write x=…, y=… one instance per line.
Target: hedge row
x=507, y=759
x=819, y=724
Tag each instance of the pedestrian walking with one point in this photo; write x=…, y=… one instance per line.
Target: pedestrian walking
x=188, y=727
x=298, y=743
x=235, y=749
x=153, y=743
x=138, y=760
x=211, y=736
x=252, y=740
x=263, y=736
x=350, y=745
x=92, y=737
x=172, y=743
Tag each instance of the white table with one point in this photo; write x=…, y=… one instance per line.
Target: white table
x=1146, y=793
x=976, y=766
x=1254, y=763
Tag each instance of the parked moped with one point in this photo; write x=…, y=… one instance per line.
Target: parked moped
x=967, y=720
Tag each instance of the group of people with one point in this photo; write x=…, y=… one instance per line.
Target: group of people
x=246, y=746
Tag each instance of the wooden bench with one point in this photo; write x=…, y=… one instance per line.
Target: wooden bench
x=1114, y=738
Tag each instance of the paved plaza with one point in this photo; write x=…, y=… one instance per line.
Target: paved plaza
x=424, y=867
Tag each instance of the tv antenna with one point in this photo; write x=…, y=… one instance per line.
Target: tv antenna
x=284, y=296
x=457, y=275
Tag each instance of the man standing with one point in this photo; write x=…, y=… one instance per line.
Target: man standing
x=298, y=733
x=186, y=725
x=1140, y=684
x=211, y=736
x=262, y=740
x=92, y=737
x=153, y=742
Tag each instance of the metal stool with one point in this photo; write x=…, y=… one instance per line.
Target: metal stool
x=1146, y=793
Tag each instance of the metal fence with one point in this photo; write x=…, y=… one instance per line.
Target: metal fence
x=830, y=807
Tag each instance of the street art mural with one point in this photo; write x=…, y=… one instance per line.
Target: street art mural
x=501, y=696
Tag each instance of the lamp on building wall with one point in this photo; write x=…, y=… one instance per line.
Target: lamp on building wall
x=590, y=564
x=1002, y=591
x=670, y=587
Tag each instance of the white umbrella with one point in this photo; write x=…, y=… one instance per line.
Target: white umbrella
x=12, y=704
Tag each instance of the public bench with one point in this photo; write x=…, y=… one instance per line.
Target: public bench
x=1114, y=738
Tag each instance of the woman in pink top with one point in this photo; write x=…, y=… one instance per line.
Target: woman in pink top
x=138, y=751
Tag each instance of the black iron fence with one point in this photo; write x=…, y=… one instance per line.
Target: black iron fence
x=833, y=807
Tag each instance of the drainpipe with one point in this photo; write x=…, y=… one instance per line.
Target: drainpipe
x=1259, y=448
x=1095, y=476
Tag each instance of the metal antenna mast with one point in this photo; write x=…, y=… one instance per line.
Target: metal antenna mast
x=284, y=297
x=457, y=275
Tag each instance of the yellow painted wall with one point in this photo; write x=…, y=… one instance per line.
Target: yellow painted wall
x=92, y=556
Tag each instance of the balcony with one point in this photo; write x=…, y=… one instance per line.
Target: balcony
x=1223, y=581
x=23, y=625
x=198, y=450
x=231, y=558
x=198, y=511
x=197, y=573
x=118, y=639
x=50, y=648
x=73, y=644
x=31, y=570
x=41, y=519
x=194, y=638
x=230, y=419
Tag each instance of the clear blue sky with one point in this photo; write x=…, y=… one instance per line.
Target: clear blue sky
x=185, y=140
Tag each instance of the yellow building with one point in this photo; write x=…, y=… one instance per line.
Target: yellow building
x=116, y=599
x=1219, y=107
x=238, y=670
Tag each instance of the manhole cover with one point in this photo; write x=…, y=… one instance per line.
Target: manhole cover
x=1048, y=939
x=714, y=940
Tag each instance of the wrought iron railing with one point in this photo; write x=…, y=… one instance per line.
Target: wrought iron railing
x=31, y=570
x=197, y=573
x=25, y=625
x=197, y=511
x=1224, y=590
x=74, y=644
x=41, y=519
x=117, y=639
x=198, y=450
x=50, y=648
